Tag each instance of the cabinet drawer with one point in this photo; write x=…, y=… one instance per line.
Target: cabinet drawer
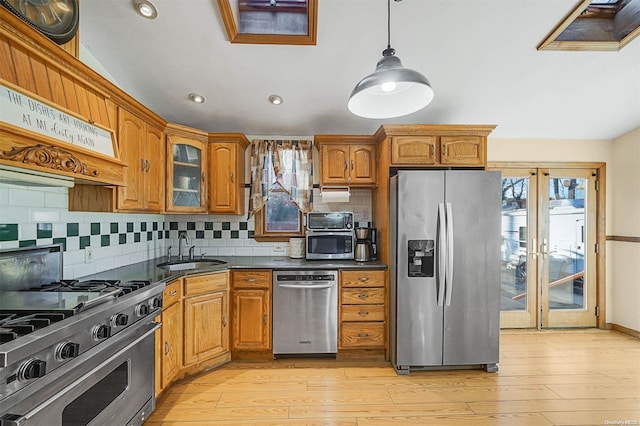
x=362, y=278
x=172, y=293
x=201, y=284
x=362, y=313
x=362, y=296
x=251, y=279
x=362, y=334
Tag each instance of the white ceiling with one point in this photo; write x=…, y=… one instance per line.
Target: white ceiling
x=479, y=55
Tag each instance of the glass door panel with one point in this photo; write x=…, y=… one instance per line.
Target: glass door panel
x=568, y=229
x=518, y=277
x=187, y=169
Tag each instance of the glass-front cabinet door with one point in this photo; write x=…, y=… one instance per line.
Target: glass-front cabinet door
x=185, y=174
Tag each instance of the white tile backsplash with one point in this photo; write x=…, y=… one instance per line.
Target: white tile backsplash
x=29, y=206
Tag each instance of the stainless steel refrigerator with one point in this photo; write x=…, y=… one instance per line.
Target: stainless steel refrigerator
x=445, y=269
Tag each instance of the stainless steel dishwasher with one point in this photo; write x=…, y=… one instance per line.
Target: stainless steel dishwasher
x=305, y=312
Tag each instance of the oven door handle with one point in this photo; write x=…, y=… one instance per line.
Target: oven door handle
x=17, y=420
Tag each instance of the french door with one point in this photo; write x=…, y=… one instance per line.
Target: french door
x=549, y=219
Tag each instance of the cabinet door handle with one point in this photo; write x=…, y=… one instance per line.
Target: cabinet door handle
x=363, y=279
x=433, y=151
x=444, y=150
x=224, y=320
x=363, y=296
x=363, y=313
x=148, y=165
x=173, y=292
x=264, y=319
x=351, y=164
x=143, y=165
x=346, y=165
x=167, y=348
x=232, y=178
x=363, y=334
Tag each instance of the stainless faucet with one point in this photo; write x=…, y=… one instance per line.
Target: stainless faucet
x=169, y=253
x=182, y=236
x=191, y=252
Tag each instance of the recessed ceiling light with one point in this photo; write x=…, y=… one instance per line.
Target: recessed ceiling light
x=276, y=99
x=146, y=9
x=197, y=98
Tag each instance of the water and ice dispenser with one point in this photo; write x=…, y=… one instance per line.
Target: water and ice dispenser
x=421, y=258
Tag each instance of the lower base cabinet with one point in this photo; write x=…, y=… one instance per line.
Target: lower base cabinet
x=205, y=327
x=195, y=327
x=251, y=312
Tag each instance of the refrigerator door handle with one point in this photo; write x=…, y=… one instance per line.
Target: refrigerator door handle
x=442, y=243
x=449, y=273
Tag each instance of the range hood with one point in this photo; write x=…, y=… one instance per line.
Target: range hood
x=27, y=177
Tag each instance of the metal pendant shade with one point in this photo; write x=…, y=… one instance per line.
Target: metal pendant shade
x=392, y=90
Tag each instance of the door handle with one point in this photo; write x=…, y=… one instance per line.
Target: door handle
x=534, y=244
x=167, y=348
x=449, y=275
x=224, y=320
x=442, y=244
x=232, y=178
x=302, y=286
x=264, y=319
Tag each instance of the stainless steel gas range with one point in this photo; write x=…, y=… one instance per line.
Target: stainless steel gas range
x=73, y=352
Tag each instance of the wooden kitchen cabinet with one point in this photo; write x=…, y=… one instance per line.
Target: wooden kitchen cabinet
x=437, y=145
x=362, y=309
x=347, y=160
x=142, y=150
x=226, y=172
x=169, y=336
x=186, y=169
x=206, y=313
x=251, y=311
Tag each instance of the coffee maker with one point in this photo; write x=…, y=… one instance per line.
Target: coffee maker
x=365, y=249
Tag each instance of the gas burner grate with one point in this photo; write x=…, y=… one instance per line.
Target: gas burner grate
x=16, y=324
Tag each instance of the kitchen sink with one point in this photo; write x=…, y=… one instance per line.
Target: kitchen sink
x=181, y=265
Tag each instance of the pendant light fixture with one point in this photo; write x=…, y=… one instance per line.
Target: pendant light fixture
x=392, y=90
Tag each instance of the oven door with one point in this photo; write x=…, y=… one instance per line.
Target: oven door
x=112, y=385
x=330, y=245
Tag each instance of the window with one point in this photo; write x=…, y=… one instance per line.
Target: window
x=596, y=25
x=281, y=188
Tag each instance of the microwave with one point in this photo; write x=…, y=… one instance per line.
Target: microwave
x=329, y=221
x=329, y=244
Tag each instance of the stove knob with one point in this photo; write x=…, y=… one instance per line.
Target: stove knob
x=120, y=319
x=67, y=350
x=32, y=369
x=101, y=332
x=142, y=310
x=157, y=302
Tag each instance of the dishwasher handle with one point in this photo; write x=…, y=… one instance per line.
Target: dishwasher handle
x=303, y=286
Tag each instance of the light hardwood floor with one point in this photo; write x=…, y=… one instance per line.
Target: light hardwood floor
x=560, y=377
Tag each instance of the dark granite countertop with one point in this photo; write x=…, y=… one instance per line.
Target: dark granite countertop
x=148, y=271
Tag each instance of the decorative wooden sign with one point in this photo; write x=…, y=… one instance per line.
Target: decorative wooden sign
x=24, y=111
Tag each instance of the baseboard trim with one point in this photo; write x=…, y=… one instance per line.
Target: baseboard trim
x=625, y=330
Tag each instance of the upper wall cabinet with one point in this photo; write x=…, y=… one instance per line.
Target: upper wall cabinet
x=226, y=172
x=186, y=169
x=437, y=145
x=143, y=153
x=347, y=160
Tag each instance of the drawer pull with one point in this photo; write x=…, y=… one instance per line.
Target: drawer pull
x=363, y=296
x=363, y=313
x=250, y=280
x=363, y=334
x=363, y=279
x=173, y=292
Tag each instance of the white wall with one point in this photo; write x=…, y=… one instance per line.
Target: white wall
x=625, y=221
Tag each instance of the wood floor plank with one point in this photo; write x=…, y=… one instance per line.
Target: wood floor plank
x=549, y=405
x=580, y=418
x=337, y=397
x=468, y=394
x=379, y=410
x=528, y=419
